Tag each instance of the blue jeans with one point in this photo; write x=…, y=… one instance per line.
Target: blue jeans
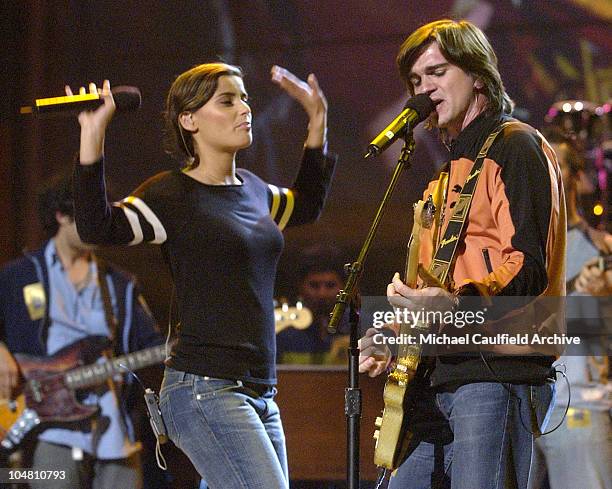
x=232, y=435
x=476, y=437
x=579, y=453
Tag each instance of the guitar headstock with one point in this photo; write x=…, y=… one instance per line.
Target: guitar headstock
x=424, y=213
x=298, y=316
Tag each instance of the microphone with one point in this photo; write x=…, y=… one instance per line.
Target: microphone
x=126, y=99
x=416, y=110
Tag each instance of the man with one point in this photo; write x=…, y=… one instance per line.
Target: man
x=512, y=244
x=320, y=277
x=50, y=299
x=579, y=452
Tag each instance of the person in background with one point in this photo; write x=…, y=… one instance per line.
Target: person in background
x=579, y=452
x=320, y=277
x=52, y=298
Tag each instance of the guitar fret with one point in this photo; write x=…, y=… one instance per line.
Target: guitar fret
x=90, y=375
x=117, y=364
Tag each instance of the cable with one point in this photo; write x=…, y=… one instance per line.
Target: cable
x=519, y=400
x=169, y=334
x=382, y=473
x=159, y=456
x=129, y=371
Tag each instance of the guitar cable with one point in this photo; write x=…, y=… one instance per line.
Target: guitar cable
x=155, y=419
x=382, y=474
x=519, y=400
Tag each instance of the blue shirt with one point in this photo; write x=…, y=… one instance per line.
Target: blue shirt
x=75, y=314
x=587, y=389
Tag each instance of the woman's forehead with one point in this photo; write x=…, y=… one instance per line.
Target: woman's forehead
x=230, y=83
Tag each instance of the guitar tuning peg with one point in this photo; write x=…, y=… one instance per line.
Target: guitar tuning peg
x=378, y=423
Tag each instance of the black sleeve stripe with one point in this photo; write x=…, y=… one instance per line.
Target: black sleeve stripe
x=134, y=223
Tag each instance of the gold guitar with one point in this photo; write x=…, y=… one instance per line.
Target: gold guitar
x=392, y=437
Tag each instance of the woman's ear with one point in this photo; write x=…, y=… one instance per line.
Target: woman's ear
x=185, y=119
x=478, y=85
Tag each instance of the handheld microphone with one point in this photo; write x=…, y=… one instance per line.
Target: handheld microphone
x=416, y=110
x=126, y=98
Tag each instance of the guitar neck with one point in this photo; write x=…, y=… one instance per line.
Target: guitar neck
x=97, y=373
x=410, y=279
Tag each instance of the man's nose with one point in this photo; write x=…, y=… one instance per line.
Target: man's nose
x=425, y=87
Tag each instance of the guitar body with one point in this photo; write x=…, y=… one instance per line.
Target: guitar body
x=604, y=264
x=53, y=401
x=10, y=413
x=392, y=441
x=48, y=395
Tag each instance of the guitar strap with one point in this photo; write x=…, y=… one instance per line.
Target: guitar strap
x=447, y=247
x=111, y=319
x=112, y=322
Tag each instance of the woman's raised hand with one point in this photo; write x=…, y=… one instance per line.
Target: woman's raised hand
x=311, y=98
x=94, y=122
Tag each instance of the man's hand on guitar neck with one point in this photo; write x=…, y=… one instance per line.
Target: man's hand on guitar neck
x=429, y=298
x=9, y=373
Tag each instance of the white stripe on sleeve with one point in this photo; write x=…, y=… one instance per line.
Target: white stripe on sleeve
x=151, y=218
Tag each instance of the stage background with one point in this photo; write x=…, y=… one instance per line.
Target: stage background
x=548, y=50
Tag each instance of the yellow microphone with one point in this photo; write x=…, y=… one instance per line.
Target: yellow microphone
x=127, y=98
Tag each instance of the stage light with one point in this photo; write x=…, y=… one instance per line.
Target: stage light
x=598, y=209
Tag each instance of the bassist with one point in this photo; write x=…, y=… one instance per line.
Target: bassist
x=52, y=298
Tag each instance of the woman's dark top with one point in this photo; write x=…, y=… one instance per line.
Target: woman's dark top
x=222, y=243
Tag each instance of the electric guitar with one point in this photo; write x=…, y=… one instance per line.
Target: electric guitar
x=48, y=394
x=391, y=436
x=604, y=263
x=298, y=317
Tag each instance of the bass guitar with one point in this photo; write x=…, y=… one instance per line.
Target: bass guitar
x=391, y=436
x=48, y=392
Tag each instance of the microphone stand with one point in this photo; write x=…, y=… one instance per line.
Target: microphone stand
x=348, y=296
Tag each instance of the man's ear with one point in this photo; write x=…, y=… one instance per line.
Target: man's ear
x=185, y=119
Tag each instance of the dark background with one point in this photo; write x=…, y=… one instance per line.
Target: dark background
x=548, y=50
x=350, y=45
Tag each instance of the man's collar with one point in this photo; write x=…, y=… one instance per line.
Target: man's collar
x=471, y=138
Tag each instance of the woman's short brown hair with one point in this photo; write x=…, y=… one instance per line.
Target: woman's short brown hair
x=190, y=91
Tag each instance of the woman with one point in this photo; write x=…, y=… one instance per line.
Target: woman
x=219, y=229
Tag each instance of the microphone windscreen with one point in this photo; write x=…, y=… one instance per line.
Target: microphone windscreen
x=422, y=105
x=126, y=97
